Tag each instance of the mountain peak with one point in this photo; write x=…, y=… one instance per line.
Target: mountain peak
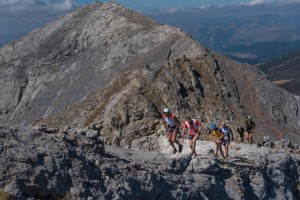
x=106, y=66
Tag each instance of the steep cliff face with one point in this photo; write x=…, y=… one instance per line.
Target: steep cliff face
x=108, y=67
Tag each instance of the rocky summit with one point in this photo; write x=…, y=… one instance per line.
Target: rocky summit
x=93, y=84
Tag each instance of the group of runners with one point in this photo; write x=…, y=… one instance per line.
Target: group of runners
x=222, y=136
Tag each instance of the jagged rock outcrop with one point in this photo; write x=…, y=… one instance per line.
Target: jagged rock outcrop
x=74, y=164
x=108, y=67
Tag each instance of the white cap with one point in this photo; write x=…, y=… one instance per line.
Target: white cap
x=166, y=110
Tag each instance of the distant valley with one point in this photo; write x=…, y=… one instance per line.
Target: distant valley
x=250, y=34
x=285, y=72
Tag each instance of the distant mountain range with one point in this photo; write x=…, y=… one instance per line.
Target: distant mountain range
x=251, y=34
x=246, y=33
x=285, y=72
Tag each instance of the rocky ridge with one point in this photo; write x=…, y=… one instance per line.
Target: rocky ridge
x=106, y=66
x=76, y=164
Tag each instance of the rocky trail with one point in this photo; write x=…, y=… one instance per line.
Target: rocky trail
x=76, y=164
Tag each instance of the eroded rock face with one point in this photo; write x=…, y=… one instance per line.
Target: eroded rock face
x=108, y=67
x=73, y=164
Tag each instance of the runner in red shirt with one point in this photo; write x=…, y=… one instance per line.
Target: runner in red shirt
x=194, y=126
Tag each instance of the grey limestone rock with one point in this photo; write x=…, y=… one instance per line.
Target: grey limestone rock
x=38, y=165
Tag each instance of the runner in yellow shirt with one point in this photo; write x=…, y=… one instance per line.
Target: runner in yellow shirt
x=218, y=138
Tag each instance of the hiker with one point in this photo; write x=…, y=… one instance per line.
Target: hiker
x=171, y=125
x=240, y=130
x=217, y=138
x=228, y=135
x=194, y=127
x=250, y=125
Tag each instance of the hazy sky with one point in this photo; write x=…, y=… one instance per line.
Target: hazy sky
x=150, y=4
x=18, y=17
